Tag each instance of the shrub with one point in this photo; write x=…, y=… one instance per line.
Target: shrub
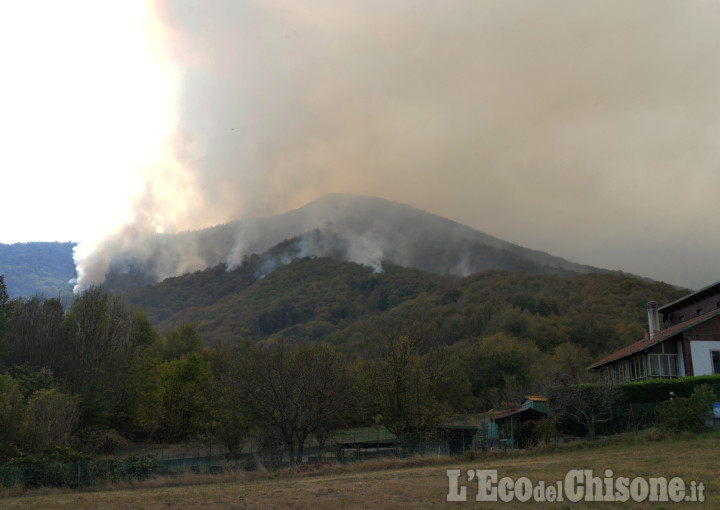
x=100, y=441
x=65, y=467
x=546, y=431
x=54, y=467
x=687, y=414
x=140, y=466
x=658, y=390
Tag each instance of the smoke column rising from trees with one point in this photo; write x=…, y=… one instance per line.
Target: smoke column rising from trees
x=557, y=126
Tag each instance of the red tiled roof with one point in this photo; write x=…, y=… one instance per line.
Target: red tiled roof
x=649, y=342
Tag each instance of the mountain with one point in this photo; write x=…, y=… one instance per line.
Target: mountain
x=37, y=268
x=352, y=306
x=366, y=230
x=370, y=231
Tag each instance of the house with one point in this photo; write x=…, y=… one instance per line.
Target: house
x=687, y=344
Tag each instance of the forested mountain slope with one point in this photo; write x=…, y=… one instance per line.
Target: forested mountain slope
x=351, y=306
x=366, y=230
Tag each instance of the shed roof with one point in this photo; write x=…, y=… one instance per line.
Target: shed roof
x=521, y=414
x=646, y=343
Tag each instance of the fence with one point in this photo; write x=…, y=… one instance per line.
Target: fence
x=54, y=471
x=624, y=418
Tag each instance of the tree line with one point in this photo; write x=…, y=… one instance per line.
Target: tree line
x=97, y=374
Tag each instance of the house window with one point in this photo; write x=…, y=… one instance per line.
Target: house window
x=637, y=369
x=663, y=365
x=715, y=361
x=621, y=372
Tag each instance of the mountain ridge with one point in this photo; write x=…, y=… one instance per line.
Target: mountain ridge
x=371, y=231
x=365, y=230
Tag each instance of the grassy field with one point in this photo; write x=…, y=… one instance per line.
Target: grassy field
x=412, y=483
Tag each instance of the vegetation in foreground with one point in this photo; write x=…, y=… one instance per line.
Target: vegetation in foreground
x=416, y=483
x=98, y=377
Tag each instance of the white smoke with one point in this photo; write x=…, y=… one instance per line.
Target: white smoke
x=552, y=121
x=366, y=249
x=336, y=226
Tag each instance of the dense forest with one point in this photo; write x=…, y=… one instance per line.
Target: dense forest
x=352, y=307
x=295, y=354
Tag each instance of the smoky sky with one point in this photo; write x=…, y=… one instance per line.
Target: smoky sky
x=585, y=129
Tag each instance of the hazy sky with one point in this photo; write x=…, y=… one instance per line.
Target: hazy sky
x=589, y=129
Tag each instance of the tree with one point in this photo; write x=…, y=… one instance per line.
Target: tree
x=404, y=388
x=184, y=341
x=186, y=397
x=500, y=367
x=35, y=334
x=4, y=321
x=234, y=423
x=328, y=398
x=293, y=393
x=51, y=418
x=140, y=406
x=589, y=404
x=12, y=413
x=98, y=351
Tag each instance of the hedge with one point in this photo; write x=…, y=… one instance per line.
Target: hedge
x=64, y=467
x=658, y=390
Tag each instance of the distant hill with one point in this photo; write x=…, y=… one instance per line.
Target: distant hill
x=351, y=306
x=37, y=268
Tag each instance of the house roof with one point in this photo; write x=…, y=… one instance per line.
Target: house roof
x=646, y=343
x=536, y=398
x=526, y=413
x=699, y=295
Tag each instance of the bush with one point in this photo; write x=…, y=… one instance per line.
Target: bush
x=687, y=414
x=100, y=441
x=140, y=466
x=546, y=431
x=54, y=467
x=658, y=390
x=65, y=467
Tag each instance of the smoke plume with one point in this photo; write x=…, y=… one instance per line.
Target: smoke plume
x=566, y=126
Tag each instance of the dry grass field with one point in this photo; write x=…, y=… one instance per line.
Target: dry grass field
x=413, y=483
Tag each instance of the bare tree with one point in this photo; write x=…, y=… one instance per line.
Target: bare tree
x=295, y=393
x=589, y=404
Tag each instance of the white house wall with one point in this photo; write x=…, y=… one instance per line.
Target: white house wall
x=701, y=359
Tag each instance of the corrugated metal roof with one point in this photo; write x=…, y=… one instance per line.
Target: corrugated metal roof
x=649, y=342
